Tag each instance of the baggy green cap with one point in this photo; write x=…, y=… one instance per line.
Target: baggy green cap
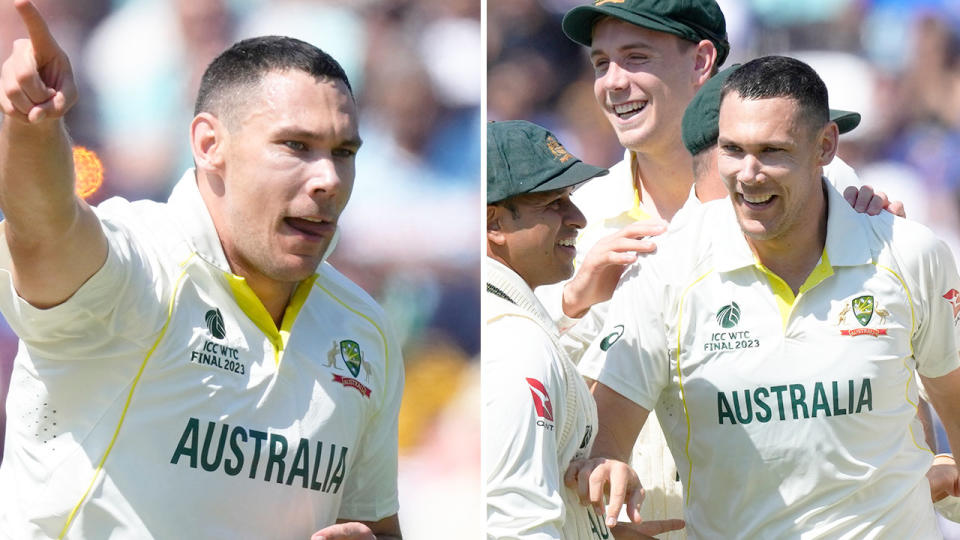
x=692, y=20
x=523, y=157
x=701, y=120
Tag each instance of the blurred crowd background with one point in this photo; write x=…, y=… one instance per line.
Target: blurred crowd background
x=410, y=234
x=896, y=62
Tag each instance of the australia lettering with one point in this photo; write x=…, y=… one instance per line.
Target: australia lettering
x=219, y=355
x=270, y=457
x=794, y=402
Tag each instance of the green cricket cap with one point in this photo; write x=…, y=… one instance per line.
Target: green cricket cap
x=701, y=120
x=523, y=157
x=692, y=20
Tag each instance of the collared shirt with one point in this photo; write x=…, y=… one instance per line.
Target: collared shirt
x=160, y=400
x=538, y=416
x=786, y=415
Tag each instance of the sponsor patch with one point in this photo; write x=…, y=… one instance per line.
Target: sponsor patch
x=612, y=338
x=541, y=399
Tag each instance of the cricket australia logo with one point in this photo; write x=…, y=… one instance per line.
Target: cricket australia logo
x=348, y=352
x=863, y=309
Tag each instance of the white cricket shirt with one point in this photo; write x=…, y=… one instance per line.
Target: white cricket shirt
x=789, y=417
x=160, y=400
x=538, y=416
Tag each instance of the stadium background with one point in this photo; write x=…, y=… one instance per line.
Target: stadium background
x=410, y=232
x=897, y=62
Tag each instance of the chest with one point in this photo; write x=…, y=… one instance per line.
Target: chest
x=845, y=343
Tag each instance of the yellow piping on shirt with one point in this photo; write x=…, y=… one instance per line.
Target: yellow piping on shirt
x=386, y=352
x=683, y=398
x=123, y=413
x=913, y=326
x=250, y=303
x=782, y=292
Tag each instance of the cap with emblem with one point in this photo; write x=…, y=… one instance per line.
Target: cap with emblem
x=701, y=119
x=692, y=20
x=523, y=157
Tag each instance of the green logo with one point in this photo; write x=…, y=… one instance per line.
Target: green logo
x=214, y=321
x=863, y=308
x=612, y=338
x=352, y=357
x=729, y=315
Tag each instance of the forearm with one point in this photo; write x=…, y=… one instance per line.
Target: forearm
x=620, y=421
x=36, y=179
x=944, y=395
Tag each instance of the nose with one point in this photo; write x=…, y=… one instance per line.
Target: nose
x=615, y=78
x=324, y=177
x=574, y=217
x=749, y=172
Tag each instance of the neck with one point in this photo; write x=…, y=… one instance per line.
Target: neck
x=794, y=256
x=663, y=180
x=275, y=296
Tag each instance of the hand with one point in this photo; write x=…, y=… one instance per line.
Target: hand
x=865, y=201
x=345, y=531
x=646, y=530
x=36, y=81
x=594, y=477
x=597, y=277
x=944, y=478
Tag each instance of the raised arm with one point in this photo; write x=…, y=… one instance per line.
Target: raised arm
x=55, y=240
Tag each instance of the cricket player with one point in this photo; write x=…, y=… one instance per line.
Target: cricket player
x=538, y=413
x=650, y=58
x=194, y=368
x=777, y=335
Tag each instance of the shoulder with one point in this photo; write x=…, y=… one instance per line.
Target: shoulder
x=339, y=290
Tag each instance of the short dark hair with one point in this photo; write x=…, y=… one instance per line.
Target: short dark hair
x=782, y=77
x=246, y=62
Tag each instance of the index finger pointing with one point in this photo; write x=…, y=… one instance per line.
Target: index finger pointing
x=44, y=45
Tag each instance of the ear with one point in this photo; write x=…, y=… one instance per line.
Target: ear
x=705, y=57
x=827, y=144
x=207, y=140
x=495, y=234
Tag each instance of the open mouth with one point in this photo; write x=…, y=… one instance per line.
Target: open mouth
x=628, y=110
x=312, y=227
x=758, y=201
x=568, y=244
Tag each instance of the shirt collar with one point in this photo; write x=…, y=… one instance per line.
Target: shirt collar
x=510, y=283
x=846, y=245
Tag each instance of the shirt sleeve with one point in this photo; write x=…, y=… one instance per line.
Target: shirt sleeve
x=630, y=354
x=936, y=339
x=124, y=299
x=371, y=490
x=523, y=400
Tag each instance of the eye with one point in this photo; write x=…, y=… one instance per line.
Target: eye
x=600, y=65
x=771, y=150
x=344, y=152
x=730, y=149
x=296, y=146
x=637, y=57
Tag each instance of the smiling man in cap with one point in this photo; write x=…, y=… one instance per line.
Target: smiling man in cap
x=538, y=412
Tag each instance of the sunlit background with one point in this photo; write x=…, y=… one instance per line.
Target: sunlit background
x=410, y=235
